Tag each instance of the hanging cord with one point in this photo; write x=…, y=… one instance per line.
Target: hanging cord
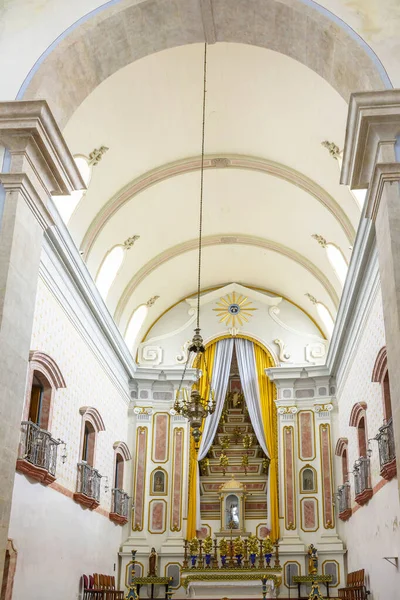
x=201, y=185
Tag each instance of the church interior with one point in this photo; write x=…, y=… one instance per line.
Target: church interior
x=199, y=299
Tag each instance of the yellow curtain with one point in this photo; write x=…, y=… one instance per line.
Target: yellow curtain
x=270, y=423
x=204, y=390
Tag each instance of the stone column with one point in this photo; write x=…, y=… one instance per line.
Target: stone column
x=369, y=161
x=39, y=165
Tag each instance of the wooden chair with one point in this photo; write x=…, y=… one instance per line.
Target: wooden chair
x=355, y=587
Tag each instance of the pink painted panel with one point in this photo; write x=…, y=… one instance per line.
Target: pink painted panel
x=306, y=435
x=309, y=516
x=325, y=440
x=161, y=433
x=263, y=531
x=290, y=514
x=157, y=516
x=176, y=511
x=140, y=479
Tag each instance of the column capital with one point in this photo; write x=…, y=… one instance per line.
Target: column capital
x=373, y=124
x=30, y=133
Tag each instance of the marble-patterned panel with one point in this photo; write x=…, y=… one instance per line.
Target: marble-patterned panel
x=306, y=435
x=157, y=516
x=140, y=478
x=309, y=514
x=326, y=470
x=177, y=466
x=160, y=445
x=289, y=481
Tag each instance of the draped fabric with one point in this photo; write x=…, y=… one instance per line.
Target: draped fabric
x=248, y=377
x=220, y=379
x=204, y=390
x=259, y=392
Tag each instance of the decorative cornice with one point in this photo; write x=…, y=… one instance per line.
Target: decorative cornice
x=214, y=240
x=230, y=161
x=21, y=183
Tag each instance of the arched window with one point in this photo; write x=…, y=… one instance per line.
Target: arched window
x=67, y=204
x=325, y=317
x=120, y=499
x=380, y=375
x=341, y=450
x=109, y=269
x=338, y=261
x=44, y=379
x=135, y=325
x=358, y=419
x=92, y=424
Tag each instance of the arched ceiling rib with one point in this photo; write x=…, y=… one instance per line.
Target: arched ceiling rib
x=229, y=239
x=221, y=161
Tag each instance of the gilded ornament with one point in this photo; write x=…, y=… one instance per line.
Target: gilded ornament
x=252, y=544
x=234, y=308
x=225, y=442
x=245, y=462
x=238, y=546
x=247, y=441
x=194, y=546
x=223, y=461
x=208, y=545
x=267, y=545
x=223, y=547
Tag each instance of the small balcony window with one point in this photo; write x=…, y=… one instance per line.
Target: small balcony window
x=88, y=486
x=362, y=480
x=344, y=501
x=120, y=499
x=387, y=451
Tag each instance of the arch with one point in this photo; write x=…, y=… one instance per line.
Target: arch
x=220, y=161
x=214, y=240
x=39, y=361
x=10, y=565
x=341, y=445
x=380, y=366
x=139, y=29
x=357, y=413
x=91, y=414
x=123, y=449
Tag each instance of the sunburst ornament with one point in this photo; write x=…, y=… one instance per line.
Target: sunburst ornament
x=234, y=308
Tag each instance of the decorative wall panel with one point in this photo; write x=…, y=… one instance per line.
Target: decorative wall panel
x=177, y=473
x=157, y=516
x=174, y=570
x=289, y=479
x=306, y=435
x=160, y=442
x=291, y=569
x=309, y=514
x=140, y=478
x=331, y=567
x=326, y=470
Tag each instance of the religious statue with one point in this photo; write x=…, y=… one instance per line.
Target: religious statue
x=312, y=560
x=159, y=482
x=152, y=564
x=233, y=516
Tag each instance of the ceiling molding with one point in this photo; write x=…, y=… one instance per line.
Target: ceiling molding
x=220, y=161
x=215, y=240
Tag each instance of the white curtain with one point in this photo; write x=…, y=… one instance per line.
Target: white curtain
x=219, y=383
x=248, y=377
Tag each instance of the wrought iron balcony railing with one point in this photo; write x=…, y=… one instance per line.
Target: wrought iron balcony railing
x=37, y=447
x=88, y=481
x=385, y=439
x=362, y=480
x=120, y=501
x=343, y=495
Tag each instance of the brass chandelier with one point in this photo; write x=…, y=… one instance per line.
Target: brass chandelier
x=194, y=407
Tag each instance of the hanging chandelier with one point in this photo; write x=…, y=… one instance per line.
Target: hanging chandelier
x=194, y=407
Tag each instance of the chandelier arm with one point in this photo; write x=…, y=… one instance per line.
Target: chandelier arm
x=183, y=376
x=201, y=185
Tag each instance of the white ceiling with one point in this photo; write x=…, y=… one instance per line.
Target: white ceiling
x=259, y=104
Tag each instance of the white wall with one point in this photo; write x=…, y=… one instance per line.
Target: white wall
x=372, y=532
x=57, y=540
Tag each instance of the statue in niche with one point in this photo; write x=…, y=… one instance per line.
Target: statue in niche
x=152, y=572
x=232, y=507
x=308, y=480
x=159, y=482
x=312, y=560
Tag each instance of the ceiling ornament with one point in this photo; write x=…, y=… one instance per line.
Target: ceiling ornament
x=311, y=298
x=234, y=309
x=152, y=301
x=321, y=240
x=195, y=408
x=96, y=155
x=130, y=241
x=333, y=150
x=193, y=163
x=284, y=355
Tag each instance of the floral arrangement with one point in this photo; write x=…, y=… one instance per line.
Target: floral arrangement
x=194, y=546
x=238, y=546
x=268, y=546
x=252, y=544
x=223, y=547
x=208, y=545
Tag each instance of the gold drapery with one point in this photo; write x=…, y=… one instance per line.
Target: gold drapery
x=204, y=390
x=270, y=424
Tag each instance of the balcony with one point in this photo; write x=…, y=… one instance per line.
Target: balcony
x=387, y=452
x=362, y=480
x=119, y=509
x=343, y=495
x=37, y=455
x=88, y=486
